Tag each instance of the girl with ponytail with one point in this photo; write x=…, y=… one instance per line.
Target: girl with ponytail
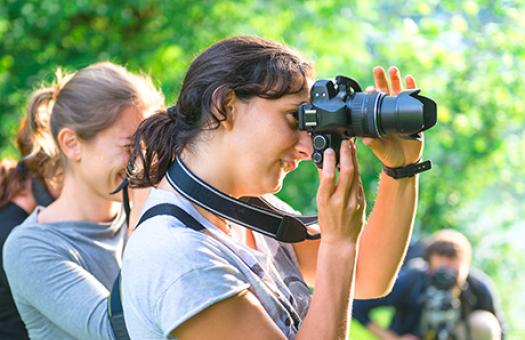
x=63, y=259
x=234, y=129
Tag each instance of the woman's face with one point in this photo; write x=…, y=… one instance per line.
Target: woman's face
x=266, y=142
x=104, y=158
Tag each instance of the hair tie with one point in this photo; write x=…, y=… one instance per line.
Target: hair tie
x=22, y=168
x=172, y=112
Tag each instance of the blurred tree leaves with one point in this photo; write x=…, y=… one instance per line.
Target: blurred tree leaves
x=469, y=56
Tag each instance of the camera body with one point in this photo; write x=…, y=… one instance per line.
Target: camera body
x=442, y=310
x=340, y=110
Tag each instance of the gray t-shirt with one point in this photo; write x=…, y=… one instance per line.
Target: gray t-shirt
x=61, y=273
x=171, y=273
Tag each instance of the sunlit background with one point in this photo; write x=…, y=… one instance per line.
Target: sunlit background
x=467, y=55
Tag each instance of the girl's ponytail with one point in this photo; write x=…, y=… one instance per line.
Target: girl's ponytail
x=154, y=148
x=39, y=155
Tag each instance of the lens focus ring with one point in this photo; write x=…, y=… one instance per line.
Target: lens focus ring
x=363, y=114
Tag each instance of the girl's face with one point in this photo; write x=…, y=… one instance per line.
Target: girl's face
x=104, y=158
x=265, y=143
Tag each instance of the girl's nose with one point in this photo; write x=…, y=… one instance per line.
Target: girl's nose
x=304, y=146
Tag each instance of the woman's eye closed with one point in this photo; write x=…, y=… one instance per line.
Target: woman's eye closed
x=127, y=147
x=293, y=119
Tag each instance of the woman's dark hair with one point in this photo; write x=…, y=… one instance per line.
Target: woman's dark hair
x=245, y=66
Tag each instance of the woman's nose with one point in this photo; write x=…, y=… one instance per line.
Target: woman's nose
x=304, y=146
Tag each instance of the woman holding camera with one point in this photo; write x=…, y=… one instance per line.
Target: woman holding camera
x=62, y=261
x=234, y=129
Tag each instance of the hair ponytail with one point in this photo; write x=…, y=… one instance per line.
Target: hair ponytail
x=39, y=155
x=11, y=181
x=39, y=152
x=155, y=144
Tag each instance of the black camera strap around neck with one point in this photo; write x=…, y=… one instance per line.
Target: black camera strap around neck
x=251, y=212
x=40, y=192
x=124, y=187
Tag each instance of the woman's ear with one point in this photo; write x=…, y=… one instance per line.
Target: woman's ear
x=70, y=144
x=226, y=103
x=229, y=104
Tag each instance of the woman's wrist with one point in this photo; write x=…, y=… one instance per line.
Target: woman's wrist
x=398, y=182
x=409, y=170
x=339, y=247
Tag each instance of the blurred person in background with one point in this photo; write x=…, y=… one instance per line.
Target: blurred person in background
x=62, y=260
x=439, y=296
x=34, y=180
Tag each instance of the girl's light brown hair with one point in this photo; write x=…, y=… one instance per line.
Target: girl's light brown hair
x=92, y=99
x=38, y=155
x=87, y=101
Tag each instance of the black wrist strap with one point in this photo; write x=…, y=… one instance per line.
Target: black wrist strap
x=409, y=170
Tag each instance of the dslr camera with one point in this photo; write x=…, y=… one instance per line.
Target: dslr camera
x=340, y=110
x=441, y=311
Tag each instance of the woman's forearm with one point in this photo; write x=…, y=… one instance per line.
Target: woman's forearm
x=327, y=317
x=385, y=238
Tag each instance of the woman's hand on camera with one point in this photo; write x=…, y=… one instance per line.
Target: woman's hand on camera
x=392, y=150
x=341, y=199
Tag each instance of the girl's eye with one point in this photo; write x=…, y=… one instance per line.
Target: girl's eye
x=292, y=118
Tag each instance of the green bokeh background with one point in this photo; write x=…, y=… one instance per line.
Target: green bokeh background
x=467, y=55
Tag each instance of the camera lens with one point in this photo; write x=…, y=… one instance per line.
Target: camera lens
x=375, y=114
x=363, y=114
x=406, y=114
x=444, y=278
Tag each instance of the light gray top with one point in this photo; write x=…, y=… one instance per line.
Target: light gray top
x=60, y=275
x=171, y=273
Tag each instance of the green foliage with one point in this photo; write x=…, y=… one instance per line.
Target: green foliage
x=468, y=55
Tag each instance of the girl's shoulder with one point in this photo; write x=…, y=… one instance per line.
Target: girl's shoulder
x=165, y=239
x=31, y=242
x=29, y=228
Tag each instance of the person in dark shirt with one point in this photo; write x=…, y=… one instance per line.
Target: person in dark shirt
x=34, y=180
x=439, y=294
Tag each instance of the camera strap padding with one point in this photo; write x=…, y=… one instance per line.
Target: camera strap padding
x=252, y=212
